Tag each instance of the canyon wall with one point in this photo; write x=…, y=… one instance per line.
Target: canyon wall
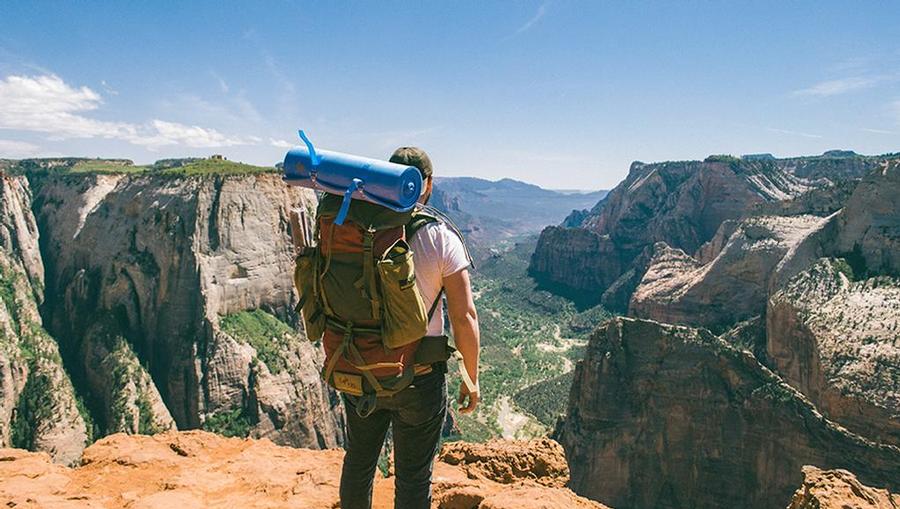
x=680, y=203
x=38, y=406
x=806, y=369
x=673, y=417
x=169, y=302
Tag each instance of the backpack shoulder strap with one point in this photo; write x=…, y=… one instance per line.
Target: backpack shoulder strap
x=427, y=214
x=420, y=218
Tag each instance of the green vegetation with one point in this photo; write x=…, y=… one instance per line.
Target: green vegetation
x=172, y=167
x=217, y=167
x=265, y=333
x=546, y=400
x=722, y=158
x=855, y=263
x=35, y=405
x=842, y=266
x=104, y=166
x=528, y=336
x=230, y=423
x=146, y=424
x=90, y=426
x=8, y=293
x=43, y=390
x=126, y=372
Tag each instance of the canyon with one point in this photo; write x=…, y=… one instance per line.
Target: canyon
x=751, y=359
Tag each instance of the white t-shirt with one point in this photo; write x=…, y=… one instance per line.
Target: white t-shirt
x=437, y=253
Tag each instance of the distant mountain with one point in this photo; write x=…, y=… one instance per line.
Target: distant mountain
x=489, y=212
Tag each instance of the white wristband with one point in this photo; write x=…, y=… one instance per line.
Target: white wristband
x=464, y=373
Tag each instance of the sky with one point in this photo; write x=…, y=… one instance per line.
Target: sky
x=563, y=94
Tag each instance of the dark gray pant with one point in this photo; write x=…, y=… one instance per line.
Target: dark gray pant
x=417, y=415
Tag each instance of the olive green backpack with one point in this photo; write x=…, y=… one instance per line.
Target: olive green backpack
x=358, y=294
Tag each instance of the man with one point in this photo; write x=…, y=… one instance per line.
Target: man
x=418, y=412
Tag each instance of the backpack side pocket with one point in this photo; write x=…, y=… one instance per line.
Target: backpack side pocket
x=404, y=317
x=306, y=273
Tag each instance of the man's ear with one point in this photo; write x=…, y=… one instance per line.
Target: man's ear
x=426, y=190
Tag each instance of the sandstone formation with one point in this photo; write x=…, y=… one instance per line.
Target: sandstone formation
x=142, y=272
x=507, y=461
x=679, y=203
x=838, y=341
x=38, y=406
x=833, y=317
x=731, y=286
x=668, y=416
x=869, y=225
x=202, y=470
x=822, y=286
x=839, y=489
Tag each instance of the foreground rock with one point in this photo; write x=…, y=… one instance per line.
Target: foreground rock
x=667, y=416
x=839, y=489
x=200, y=470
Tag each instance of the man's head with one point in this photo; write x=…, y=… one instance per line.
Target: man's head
x=414, y=156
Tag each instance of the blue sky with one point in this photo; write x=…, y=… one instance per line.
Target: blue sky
x=560, y=93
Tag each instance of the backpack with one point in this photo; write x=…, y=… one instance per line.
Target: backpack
x=358, y=295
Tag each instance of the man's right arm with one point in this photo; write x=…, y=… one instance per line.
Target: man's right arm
x=466, y=336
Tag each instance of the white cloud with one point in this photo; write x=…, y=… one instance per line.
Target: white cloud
x=794, y=133
x=14, y=149
x=837, y=87
x=877, y=131
x=173, y=133
x=109, y=90
x=47, y=104
x=534, y=19
x=281, y=143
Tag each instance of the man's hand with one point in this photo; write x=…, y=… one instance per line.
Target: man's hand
x=464, y=321
x=469, y=399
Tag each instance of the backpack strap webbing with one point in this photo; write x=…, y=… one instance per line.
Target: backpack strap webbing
x=419, y=220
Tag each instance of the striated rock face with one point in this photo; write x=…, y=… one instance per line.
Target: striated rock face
x=197, y=469
x=38, y=407
x=575, y=262
x=839, y=489
x=679, y=203
x=838, y=341
x=143, y=273
x=669, y=416
x=869, y=225
x=833, y=317
x=732, y=285
x=823, y=289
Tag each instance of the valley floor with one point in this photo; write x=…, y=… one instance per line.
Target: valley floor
x=531, y=341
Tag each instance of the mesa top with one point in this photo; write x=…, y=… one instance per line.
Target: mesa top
x=437, y=253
